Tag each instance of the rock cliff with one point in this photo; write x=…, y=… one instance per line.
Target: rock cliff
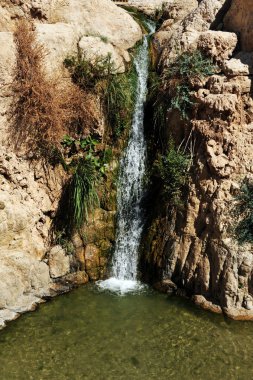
x=30, y=189
x=196, y=247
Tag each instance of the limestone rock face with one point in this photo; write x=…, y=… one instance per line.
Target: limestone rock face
x=60, y=26
x=239, y=19
x=218, y=45
x=29, y=189
x=59, y=264
x=24, y=281
x=196, y=247
x=94, y=47
x=98, y=17
x=184, y=34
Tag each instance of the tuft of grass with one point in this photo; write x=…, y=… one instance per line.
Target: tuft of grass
x=35, y=111
x=119, y=100
x=82, y=194
x=78, y=199
x=244, y=211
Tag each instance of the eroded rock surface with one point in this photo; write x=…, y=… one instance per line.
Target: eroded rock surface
x=195, y=247
x=31, y=189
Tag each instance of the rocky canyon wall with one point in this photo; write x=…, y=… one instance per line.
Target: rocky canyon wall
x=31, y=269
x=195, y=249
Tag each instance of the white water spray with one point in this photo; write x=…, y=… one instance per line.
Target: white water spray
x=130, y=190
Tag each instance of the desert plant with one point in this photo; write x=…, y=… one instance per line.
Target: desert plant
x=173, y=169
x=87, y=72
x=42, y=109
x=35, y=111
x=182, y=100
x=172, y=90
x=189, y=65
x=79, y=197
x=244, y=211
x=117, y=91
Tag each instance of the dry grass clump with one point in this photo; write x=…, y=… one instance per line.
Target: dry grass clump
x=42, y=110
x=36, y=111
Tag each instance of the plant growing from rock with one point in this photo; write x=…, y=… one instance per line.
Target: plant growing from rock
x=172, y=90
x=42, y=110
x=117, y=91
x=244, y=211
x=173, y=170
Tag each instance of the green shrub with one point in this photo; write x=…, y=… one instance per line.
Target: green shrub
x=190, y=65
x=117, y=91
x=244, y=210
x=173, y=169
x=172, y=89
x=86, y=73
x=82, y=193
x=181, y=101
x=79, y=197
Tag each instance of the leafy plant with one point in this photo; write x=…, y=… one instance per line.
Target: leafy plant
x=244, y=210
x=116, y=90
x=182, y=100
x=86, y=73
x=173, y=169
x=190, y=65
x=78, y=198
x=172, y=90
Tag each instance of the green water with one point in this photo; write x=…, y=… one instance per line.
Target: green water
x=87, y=334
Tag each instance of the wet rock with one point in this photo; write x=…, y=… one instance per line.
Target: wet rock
x=166, y=286
x=77, y=278
x=207, y=305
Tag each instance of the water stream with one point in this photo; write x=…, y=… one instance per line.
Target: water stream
x=130, y=188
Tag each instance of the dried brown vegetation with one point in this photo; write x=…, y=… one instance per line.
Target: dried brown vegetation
x=42, y=110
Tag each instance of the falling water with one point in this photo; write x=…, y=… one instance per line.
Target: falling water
x=130, y=189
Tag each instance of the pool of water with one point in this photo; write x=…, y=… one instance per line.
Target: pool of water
x=90, y=334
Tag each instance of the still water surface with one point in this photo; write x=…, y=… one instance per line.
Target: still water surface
x=94, y=335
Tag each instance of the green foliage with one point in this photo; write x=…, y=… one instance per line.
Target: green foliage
x=116, y=90
x=119, y=99
x=159, y=100
x=86, y=147
x=244, y=211
x=173, y=89
x=173, y=168
x=86, y=73
x=138, y=16
x=190, y=65
x=65, y=242
x=182, y=100
x=82, y=194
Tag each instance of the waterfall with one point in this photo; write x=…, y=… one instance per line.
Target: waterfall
x=130, y=186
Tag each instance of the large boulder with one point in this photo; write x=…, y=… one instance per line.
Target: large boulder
x=99, y=17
